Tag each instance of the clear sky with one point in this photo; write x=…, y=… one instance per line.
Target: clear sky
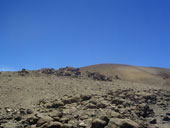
x=56, y=33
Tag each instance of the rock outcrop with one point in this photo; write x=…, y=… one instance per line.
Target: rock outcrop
x=74, y=73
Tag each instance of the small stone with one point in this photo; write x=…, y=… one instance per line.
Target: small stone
x=22, y=111
x=102, y=104
x=82, y=124
x=168, y=113
x=29, y=111
x=166, y=118
x=118, y=101
x=8, y=110
x=64, y=120
x=153, y=121
x=91, y=106
x=85, y=97
x=18, y=118
x=76, y=116
x=32, y=120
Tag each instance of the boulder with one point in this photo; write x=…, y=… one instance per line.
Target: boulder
x=98, y=123
x=43, y=120
x=122, y=123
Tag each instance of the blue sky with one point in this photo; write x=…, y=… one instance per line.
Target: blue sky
x=56, y=33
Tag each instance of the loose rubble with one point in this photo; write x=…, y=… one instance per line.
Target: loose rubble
x=123, y=108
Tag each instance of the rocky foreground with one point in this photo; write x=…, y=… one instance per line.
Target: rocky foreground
x=121, y=108
x=69, y=98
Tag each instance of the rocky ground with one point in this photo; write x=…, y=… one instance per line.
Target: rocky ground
x=67, y=99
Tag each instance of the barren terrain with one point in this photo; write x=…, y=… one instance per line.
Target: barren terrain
x=99, y=96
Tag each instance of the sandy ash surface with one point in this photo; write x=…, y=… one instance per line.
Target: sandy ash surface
x=35, y=100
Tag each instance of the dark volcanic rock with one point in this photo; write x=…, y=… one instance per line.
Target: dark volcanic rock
x=43, y=120
x=69, y=71
x=143, y=110
x=153, y=121
x=166, y=118
x=48, y=71
x=98, y=76
x=98, y=123
x=23, y=72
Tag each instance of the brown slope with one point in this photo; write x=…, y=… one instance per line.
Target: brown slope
x=139, y=74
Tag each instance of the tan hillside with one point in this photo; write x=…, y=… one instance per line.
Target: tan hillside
x=139, y=74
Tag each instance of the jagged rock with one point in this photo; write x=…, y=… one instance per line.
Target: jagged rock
x=43, y=120
x=144, y=110
x=112, y=114
x=166, y=118
x=18, y=118
x=32, y=120
x=168, y=113
x=105, y=118
x=69, y=71
x=22, y=111
x=102, y=104
x=98, y=123
x=122, y=123
x=29, y=111
x=98, y=76
x=73, y=72
x=48, y=71
x=118, y=101
x=91, y=106
x=64, y=120
x=93, y=101
x=150, y=99
x=153, y=121
x=82, y=125
x=85, y=97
